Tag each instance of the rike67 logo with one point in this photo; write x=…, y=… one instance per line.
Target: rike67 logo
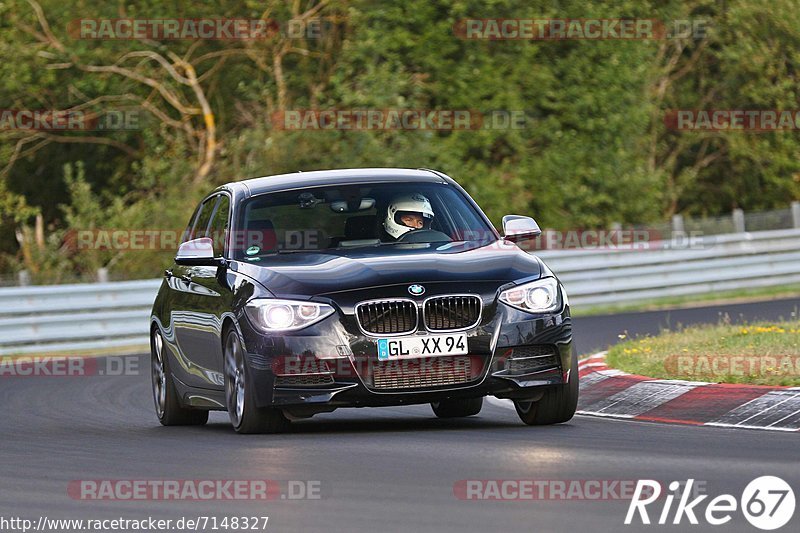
x=767, y=503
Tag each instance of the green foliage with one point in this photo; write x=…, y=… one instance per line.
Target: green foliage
x=594, y=148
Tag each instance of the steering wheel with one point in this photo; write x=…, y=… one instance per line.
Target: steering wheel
x=424, y=235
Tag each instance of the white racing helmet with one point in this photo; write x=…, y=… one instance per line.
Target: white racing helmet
x=406, y=203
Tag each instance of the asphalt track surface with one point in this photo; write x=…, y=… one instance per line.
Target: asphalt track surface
x=389, y=469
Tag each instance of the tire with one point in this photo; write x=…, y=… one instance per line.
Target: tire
x=169, y=410
x=457, y=408
x=558, y=405
x=245, y=415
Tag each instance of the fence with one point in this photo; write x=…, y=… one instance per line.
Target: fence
x=738, y=221
x=106, y=315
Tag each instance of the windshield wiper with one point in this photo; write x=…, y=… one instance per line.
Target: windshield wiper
x=280, y=252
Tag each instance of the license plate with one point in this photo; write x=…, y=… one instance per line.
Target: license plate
x=422, y=346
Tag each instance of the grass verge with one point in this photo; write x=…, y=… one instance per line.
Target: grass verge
x=94, y=352
x=765, y=353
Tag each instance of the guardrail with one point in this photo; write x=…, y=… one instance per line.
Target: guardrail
x=90, y=316
x=710, y=264
x=100, y=316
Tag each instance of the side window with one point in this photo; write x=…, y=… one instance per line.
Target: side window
x=187, y=234
x=200, y=228
x=219, y=225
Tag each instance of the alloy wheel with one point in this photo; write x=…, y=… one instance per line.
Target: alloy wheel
x=235, y=379
x=158, y=373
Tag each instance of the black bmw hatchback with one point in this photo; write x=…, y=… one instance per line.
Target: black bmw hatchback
x=302, y=293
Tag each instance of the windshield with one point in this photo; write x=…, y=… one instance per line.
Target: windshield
x=344, y=217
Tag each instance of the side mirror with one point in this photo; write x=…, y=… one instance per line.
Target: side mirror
x=518, y=228
x=198, y=252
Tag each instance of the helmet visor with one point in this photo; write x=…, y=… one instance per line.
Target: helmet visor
x=413, y=219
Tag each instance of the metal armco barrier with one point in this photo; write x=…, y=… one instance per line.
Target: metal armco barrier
x=57, y=318
x=90, y=316
x=718, y=263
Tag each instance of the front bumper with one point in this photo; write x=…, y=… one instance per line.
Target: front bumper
x=332, y=364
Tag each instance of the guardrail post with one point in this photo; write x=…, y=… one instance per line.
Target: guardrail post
x=677, y=223
x=102, y=275
x=24, y=278
x=738, y=221
x=796, y=214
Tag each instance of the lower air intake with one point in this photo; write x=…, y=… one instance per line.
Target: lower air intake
x=303, y=381
x=422, y=373
x=535, y=358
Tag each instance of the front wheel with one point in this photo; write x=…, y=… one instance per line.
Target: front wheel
x=245, y=415
x=456, y=408
x=557, y=405
x=169, y=410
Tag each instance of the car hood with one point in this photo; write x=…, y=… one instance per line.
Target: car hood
x=334, y=271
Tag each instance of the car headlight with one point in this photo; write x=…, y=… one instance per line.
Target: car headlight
x=285, y=315
x=538, y=296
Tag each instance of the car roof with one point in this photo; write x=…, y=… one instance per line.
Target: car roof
x=317, y=178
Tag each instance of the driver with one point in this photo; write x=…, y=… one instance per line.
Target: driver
x=407, y=212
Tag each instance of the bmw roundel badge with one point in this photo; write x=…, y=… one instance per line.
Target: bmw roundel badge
x=416, y=290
